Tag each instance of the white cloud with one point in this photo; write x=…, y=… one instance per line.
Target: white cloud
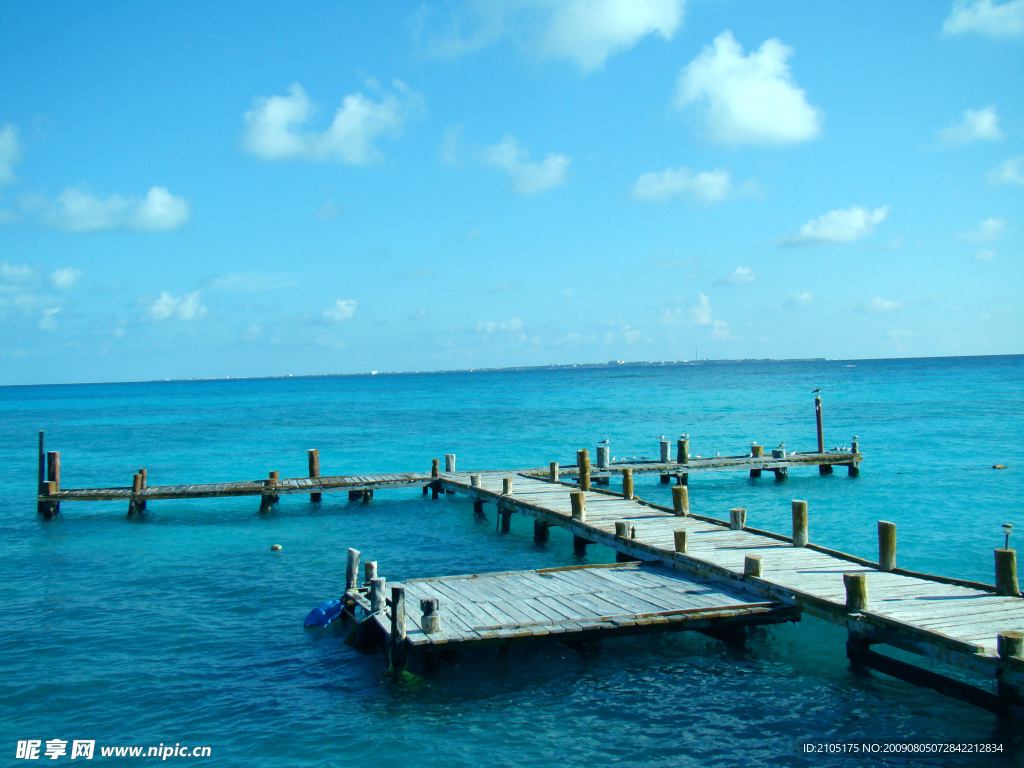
x=878, y=304
x=342, y=310
x=706, y=186
x=64, y=279
x=985, y=18
x=277, y=127
x=451, y=146
x=10, y=152
x=700, y=314
x=739, y=276
x=511, y=326
x=16, y=273
x=1009, y=172
x=167, y=307
x=800, y=300
x=974, y=125
x=748, y=99
x=76, y=210
x=843, y=225
x=985, y=232
x=48, y=322
x=985, y=254
x=584, y=32
x=526, y=178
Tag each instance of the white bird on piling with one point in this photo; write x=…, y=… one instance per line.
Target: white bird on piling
x=684, y=436
x=603, y=442
x=816, y=391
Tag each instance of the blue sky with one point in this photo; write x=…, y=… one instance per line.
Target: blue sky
x=229, y=189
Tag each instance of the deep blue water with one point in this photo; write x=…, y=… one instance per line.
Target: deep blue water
x=184, y=627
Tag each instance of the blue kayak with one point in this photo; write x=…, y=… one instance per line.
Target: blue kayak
x=324, y=614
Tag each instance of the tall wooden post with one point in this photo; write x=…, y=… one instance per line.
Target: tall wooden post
x=1006, y=572
x=398, y=629
x=541, y=532
x=449, y=462
x=583, y=462
x=53, y=467
x=680, y=539
x=664, y=457
x=737, y=518
x=856, y=591
x=886, y=545
x=49, y=508
x=681, y=500
x=627, y=483
x=42, y=459
x=435, y=468
x=135, y=505
x=369, y=571
x=579, y=505
x=682, y=450
x=817, y=419
x=352, y=570
x=553, y=472
x=377, y=594
x=314, y=471
x=799, y=509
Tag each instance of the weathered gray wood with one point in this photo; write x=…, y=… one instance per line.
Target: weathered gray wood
x=681, y=543
x=737, y=518
x=799, y=509
x=752, y=565
x=553, y=471
x=53, y=468
x=474, y=481
x=579, y=505
x=886, y=545
x=377, y=594
x=818, y=423
x=352, y=570
x=1010, y=644
x=369, y=571
x=1006, y=572
x=313, y=455
x=682, y=450
x=506, y=486
x=398, y=628
x=603, y=461
x=583, y=462
x=856, y=591
x=681, y=500
x=449, y=462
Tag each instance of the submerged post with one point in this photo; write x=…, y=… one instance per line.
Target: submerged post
x=1006, y=573
x=314, y=471
x=799, y=523
x=681, y=500
x=886, y=545
x=398, y=630
x=352, y=570
x=541, y=532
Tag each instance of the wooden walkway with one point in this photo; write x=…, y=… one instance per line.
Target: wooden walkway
x=949, y=620
x=571, y=604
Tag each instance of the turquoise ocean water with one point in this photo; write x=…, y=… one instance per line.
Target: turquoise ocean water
x=183, y=627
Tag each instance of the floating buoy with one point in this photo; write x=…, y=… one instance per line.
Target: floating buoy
x=275, y=547
x=998, y=466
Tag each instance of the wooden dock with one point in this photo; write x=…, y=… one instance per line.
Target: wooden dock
x=574, y=604
x=976, y=627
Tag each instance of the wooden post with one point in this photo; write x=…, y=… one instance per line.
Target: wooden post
x=553, y=472
x=49, y=508
x=449, y=462
x=755, y=473
x=680, y=537
x=435, y=490
x=621, y=529
x=541, y=532
x=799, y=523
x=781, y=473
x=506, y=517
x=42, y=460
x=737, y=518
x=478, y=507
x=435, y=468
x=1010, y=644
x=681, y=500
x=583, y=462
x=314, y=471
x=133, y=500
x=398, y=630
x=603, y=453
x=267, y=500
x=506, y=486
x=682, y=450
x=579, y=545
x=352, y=570
x=664, y=459
x=579, y=505
x=53, y=467
x=377, y=594
x=752, y=565
x=430, y=620
x=367, y=495
x=474, y=481
x=756, y=451
x=886, y=545
x=627, y=483
x=856, y=591
x=369, y=571
x=1006, y=572
x=817, y=418
x=144, y=476
x=683, y=478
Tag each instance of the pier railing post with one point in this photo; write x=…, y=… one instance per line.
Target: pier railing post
x=680, y=540
x=553, y=471
x=449, y=462
x=681, y=500
x=886, y=545
x=377, y=594
x=398, y=629
x=314, y=471
x=752, y=565
x=42, y=459
x=756, y=452
x=435, y=468
x=737, y=518
x=135, y=506
x=817, y=419
x=49, y=508
x=583, y=462
x=856, y=591
x=430, y=619
x=352, y=570
x=53, y=467
x=664, y=457
x=579, y=505
x=799, y=523
x=627, y=483
x=369, y=571
x=682, y=450
x=1006, y=572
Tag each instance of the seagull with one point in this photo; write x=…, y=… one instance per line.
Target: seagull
x=718, y=453
x=685, y=436
x=782, y=444
x=843, y=448
x=661, y=437
x=816, y=391
x=603, y=442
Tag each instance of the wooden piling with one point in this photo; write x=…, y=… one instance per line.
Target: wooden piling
x=621, y=529
x=314, y=471
x=682, y=451
x=144, y=476
x=49, y=508
x=553, y=472
x=755, y=473
x=541, y=531
x=1010, y=644
x=680, y=538
x=579, y=545
x=886, y=545
x=377, y=594
x=627, y=483
x=856, y=591
x=506, y=486
x=369, y=571
x=756, y=451
x=42, y=459
x=683, y=478
x=435, y=468
x=664, y=457
x=398, y=629
x=817, y=419
x=367, y=495
x=267, y=500
x=430, y=620
x=449, y=462
x=435, y=489
x=737, y=518
x=53, y=467
x=1006, y=572
x=781, y=473
x=603, y=452
x=799, y=523
x=579, y=505
x=134, y=505
x=752, y=565
x=352, y=570
x=474, y=481
x=478, y=507
x=681, y=500
x=583, y=462
x=506, y=517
